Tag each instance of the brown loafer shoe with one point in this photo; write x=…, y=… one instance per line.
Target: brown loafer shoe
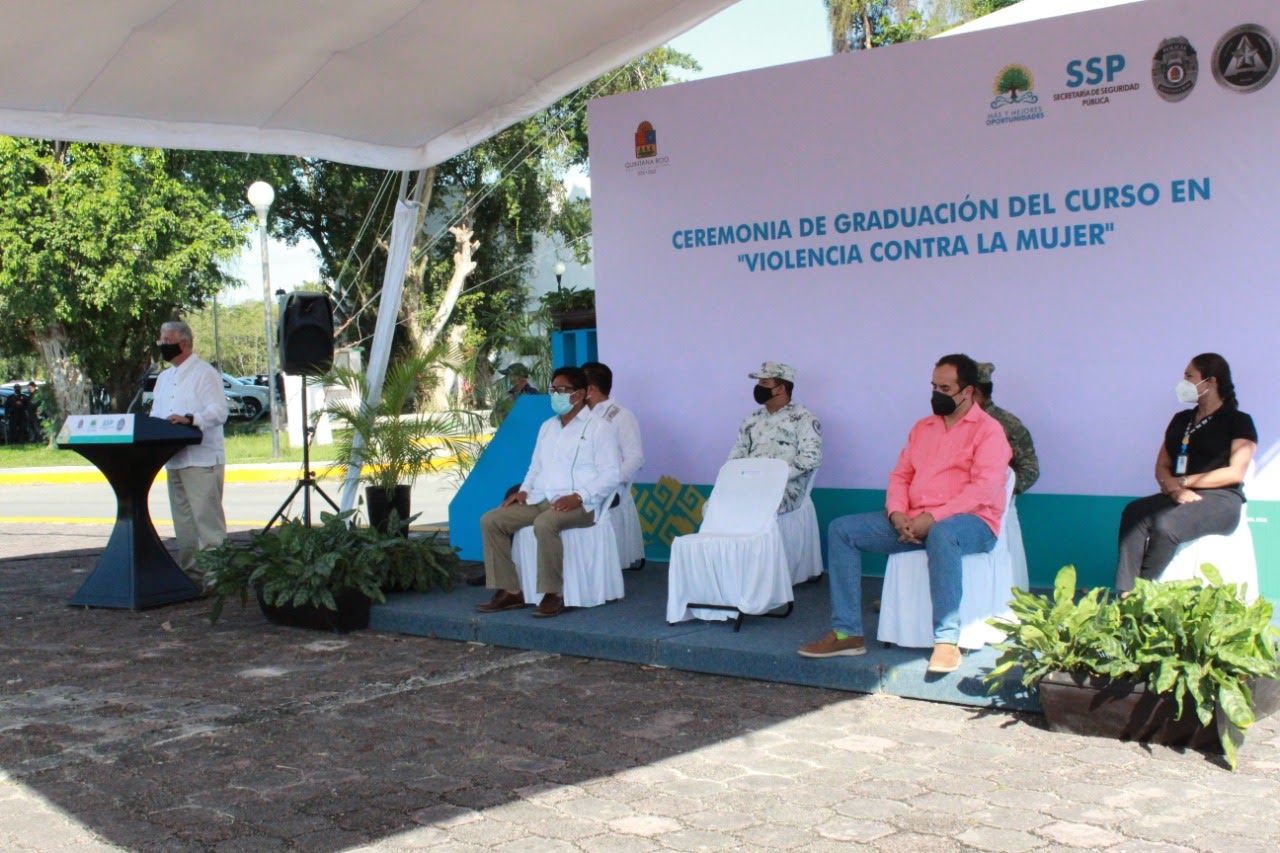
x=552, y=605
x=945, y=658
x=502, y=600
x=832, y=646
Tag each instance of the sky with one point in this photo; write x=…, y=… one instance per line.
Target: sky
x=750, y=34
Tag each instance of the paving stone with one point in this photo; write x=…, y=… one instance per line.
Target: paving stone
x=1080, y=835
x=645, y=825
x=847, y=829
x=593, y=808
x=1010, y=818
x=1001, y=840
x=721, y=821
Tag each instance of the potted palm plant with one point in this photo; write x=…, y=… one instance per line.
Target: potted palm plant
x=1181, y=663
x=323, y=576
x=390, y=443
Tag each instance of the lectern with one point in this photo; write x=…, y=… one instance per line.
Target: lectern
x=135, y=571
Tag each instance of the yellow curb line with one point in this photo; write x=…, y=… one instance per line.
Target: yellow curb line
x=43, y=519
x=234, y=475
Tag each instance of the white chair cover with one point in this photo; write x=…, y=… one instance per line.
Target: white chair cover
x=592, y=568
x=1232, y=555
x=802, y=538
x=737, y=557
x=1011, y=528
x=906, y=611
x=625, y=519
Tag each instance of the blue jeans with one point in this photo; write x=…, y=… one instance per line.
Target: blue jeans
x=948, y=542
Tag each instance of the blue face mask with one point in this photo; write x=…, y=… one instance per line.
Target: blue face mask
x=560, y=403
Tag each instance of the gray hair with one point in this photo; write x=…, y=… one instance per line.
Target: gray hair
x=180, y=329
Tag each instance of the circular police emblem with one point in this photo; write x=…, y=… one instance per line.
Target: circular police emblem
x=1174, y=69
x=1244, y=60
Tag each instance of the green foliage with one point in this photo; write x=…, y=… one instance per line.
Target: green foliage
x=99, y=244
x=296, y=564
x=1198, y=642
x=239, y=339
x=390, y=447
x=568, y=299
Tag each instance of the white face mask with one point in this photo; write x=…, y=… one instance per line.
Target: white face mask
x=1187, y=392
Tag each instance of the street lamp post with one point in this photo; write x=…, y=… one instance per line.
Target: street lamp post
x=260, y=196
x=557, y=269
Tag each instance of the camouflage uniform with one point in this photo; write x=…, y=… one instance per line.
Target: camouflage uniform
x=791, y=434
x=1025, y=465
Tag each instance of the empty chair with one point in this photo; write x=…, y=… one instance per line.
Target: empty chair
x=801, y=537
x=592, y=568
x=736, y=563
x=906, y=611
x=626, y=528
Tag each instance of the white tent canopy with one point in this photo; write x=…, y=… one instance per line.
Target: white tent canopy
x=1032, y=10
x=393, y=84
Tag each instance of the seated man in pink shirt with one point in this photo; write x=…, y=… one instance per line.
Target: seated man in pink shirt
x=946, y=496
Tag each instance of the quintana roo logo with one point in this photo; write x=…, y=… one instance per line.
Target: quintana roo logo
x=646, y=141
x=1244, y=60
x=1014, y=86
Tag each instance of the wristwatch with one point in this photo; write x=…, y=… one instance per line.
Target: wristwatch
x=192, y=420
x=1182, y=481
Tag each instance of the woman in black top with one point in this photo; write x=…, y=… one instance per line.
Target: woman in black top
x=1201, y=465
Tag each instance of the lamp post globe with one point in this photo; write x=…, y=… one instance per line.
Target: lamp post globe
x=557, y=269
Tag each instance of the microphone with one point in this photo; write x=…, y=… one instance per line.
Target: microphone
x=146, y=374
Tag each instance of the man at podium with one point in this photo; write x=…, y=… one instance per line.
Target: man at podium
x=190, y=392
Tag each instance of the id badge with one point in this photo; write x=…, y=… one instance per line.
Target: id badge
x=1180, y=466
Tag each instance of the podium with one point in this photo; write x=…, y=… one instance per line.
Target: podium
x=135, y=571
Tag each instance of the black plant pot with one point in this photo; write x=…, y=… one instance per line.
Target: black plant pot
x=578, y=318
x=1100, y=707
x=379, y=506
x=352, y=613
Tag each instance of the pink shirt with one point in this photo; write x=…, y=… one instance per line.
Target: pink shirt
x=946, y=472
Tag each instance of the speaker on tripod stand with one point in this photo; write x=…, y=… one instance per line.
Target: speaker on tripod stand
x=305, y=344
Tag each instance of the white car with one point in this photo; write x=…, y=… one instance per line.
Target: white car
x=243, y=400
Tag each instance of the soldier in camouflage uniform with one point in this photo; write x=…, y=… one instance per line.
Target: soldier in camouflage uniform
x=781, y=430
x=1025, y=465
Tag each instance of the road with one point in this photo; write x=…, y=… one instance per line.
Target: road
x=248, y=504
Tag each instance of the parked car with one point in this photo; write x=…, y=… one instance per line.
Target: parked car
x=243, y=399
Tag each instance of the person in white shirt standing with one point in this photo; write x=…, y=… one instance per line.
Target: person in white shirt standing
x=575, y=470
x=599, y=387
x=190, y=392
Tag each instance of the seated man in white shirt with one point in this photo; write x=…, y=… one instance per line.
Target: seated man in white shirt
x=575, y=470
x=599, y=387
x=190, y=392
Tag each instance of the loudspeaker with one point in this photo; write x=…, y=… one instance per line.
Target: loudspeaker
x=306, y=334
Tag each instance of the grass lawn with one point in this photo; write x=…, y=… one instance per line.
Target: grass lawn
x=244, y=444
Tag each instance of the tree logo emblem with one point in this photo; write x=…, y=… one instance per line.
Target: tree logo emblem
x=1014, y=85
x=646, y=141
x=1244, y=60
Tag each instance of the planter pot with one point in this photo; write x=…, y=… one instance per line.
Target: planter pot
x=581, y=318
x=379, y=507
x=1099, y=707
x=352, y=613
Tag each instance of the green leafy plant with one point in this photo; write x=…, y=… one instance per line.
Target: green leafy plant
x=392, y=448
x=568, y=299
x=296, y=564
x=1201, y=643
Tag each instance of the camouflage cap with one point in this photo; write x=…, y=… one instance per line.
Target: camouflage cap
x=775, y=370
x=985, y=369
x=515, y=370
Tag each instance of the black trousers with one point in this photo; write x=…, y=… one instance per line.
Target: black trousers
x=1152, y=528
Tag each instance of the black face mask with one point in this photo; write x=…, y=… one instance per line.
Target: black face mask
x=763, y=394
x=169, y=352
x=942, y=404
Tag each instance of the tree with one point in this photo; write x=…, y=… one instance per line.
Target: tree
x=504, y=191
x=99, y=244
x=864, y=24
x=1012, y=80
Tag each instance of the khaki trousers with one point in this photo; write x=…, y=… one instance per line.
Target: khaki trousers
x=498, y=526
x=195, y=498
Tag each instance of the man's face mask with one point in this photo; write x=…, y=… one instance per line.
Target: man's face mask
x=170, y=351
x=763, y=394
x=943, y=404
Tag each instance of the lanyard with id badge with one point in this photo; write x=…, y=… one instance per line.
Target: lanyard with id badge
x=1180, y=464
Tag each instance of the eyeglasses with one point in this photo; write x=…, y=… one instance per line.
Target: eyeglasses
x=563, y=389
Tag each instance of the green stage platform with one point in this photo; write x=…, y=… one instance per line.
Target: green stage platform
x=634, y=630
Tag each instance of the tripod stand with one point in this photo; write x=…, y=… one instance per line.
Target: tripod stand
x=308, y=480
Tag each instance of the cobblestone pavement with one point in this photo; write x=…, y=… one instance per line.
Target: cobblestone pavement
x=156, y=731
